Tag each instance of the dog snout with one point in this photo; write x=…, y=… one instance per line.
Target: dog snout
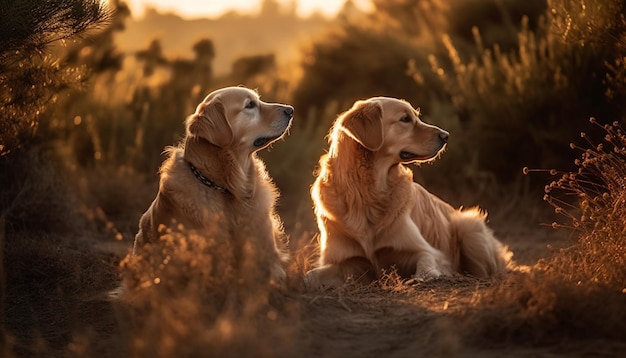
x=443, y=136
x=288, y=111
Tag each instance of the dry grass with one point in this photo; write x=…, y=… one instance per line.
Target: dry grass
x=186, y=298
x=189, y=294
x=593, y=200
x=579, y=292
x=193, y=295
x=65, y=229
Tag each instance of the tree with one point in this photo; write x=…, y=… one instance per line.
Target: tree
x=29, y=74
x=30, y=77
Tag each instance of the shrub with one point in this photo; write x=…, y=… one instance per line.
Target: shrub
x=356, y=62
x=593, y=199
x=535, y=97
x=192, y=294
x=578, y=292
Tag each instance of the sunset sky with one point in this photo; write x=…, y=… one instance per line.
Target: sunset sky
x=204, y=8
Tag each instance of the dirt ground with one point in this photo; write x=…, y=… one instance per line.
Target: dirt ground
x=62, y=311
x=427, y=318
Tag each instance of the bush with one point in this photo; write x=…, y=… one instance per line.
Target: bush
x=522, y=108
x=593, y=199
x=191, y=295
x=578, y=292
x=356, y=62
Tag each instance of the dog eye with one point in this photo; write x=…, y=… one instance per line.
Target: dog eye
x=406, y=119
x=251, y=105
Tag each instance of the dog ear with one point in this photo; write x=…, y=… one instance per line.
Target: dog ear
x=210, y=123
x=364, y=123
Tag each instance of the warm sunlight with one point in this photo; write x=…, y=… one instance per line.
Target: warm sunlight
x=244, y=178
x=199, y=8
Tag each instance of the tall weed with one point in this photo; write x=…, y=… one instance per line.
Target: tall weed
x=577, y=292
x=532, y=98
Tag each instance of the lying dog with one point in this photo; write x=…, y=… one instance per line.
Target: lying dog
x=215, y=183
x=372, y=216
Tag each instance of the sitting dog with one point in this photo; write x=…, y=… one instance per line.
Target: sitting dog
x=214, y=182
x=372, y=216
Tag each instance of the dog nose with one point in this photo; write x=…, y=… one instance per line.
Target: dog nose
x=443, y=135
x=288, y=111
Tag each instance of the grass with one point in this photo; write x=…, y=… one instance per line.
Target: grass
x=188, y=296
x=561, y=72
x=579, y=292
x=593, y=201
x=68, y=215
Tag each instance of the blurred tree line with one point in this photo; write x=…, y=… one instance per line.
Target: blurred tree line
x=514, y=82
x=127, y=115
x=522, y=77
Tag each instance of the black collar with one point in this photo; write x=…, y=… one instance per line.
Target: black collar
x=204, y=180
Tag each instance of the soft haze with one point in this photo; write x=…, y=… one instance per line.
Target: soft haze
x=203, y=8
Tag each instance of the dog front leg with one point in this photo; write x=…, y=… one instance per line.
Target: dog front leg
x=422, y=263
x=358, y=269
x=431, y=264
x=405, y=247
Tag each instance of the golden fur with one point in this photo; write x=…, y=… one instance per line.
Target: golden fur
x=372, y=216
x=222, y=138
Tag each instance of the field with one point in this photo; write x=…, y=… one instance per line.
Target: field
x=57, y=305
x=84, y=125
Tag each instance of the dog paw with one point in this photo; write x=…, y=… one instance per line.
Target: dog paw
x=432, y=266
x=427, y=274
x=322, y=278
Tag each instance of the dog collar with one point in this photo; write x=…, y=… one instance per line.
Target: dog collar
x=204, y=180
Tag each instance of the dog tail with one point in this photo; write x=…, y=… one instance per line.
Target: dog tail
x=479, y=252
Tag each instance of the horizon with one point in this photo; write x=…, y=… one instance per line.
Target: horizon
x=193, y=9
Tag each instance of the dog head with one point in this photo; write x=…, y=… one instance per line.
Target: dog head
x=236, y=118
x=392, y=128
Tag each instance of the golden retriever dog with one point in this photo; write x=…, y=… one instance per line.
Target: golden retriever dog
x=372, y=216
x=214, y=182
